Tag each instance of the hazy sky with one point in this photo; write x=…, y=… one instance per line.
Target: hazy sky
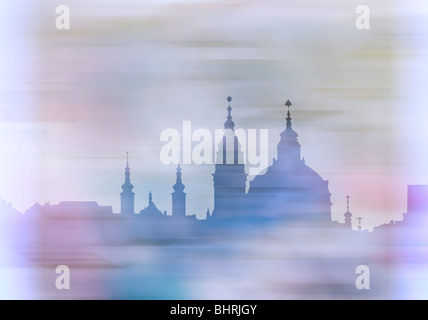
x=72, y=102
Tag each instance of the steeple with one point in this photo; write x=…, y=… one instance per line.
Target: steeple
x=359, y=223
x=289, y=147
x=229, y=149
x=178, y=186
x=151, y=210
x=127, y=175
x=348, y=215
x=229, y=176
x=229, y=124
x=127, y=196
x=178, y=196
x=288, y=104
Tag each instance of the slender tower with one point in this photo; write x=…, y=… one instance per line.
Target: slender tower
x=229, y=177
x=359, y=223
x=348, y=215
x=178, y=197
x=127, y=196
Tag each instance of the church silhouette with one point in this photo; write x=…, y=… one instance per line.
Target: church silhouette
x=288, y=190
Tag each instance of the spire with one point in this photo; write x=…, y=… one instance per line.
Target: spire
x=348, y=214
x=229, y=124
x=178, y=172
x=178, y=186
x=359, y=223
x=151, y=210
x=289, y=147
x=127, y=196
x=127, y=177
x=289, y=132
x=178, y=196
x=127, y=185
x=288, y=104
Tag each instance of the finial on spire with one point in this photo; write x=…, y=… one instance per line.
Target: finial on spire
x=229, y=124
x=178, y=173
x=150, y=196
x=347, y=202
x=127, y=158
x=288, y=104
x=229, y=108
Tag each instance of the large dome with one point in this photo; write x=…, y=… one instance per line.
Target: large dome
x=289, y=188
x=281, y=176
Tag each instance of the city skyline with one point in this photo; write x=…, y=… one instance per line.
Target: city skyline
x=127, y=195
x=107, y=87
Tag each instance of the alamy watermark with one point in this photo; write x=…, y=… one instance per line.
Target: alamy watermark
x=199, y=147
x=62, y=21
x=62, y=282
x=363, y=20
x=363, y=280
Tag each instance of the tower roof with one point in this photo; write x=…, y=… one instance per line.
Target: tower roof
x=127, y=185
x=151, y=209
x=178, y=186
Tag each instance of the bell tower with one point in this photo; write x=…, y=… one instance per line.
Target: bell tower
x=127, y=196
x=229, y=177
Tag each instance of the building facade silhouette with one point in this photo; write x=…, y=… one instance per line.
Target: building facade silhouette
x=229, y=177
x=178, y=196
x=289, y=189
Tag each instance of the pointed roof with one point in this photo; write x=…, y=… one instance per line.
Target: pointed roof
x=127, y=185
x=151, y=210
x=289, y=133
x=178, y=186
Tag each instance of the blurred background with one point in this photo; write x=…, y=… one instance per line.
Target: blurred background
x=73, y=102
